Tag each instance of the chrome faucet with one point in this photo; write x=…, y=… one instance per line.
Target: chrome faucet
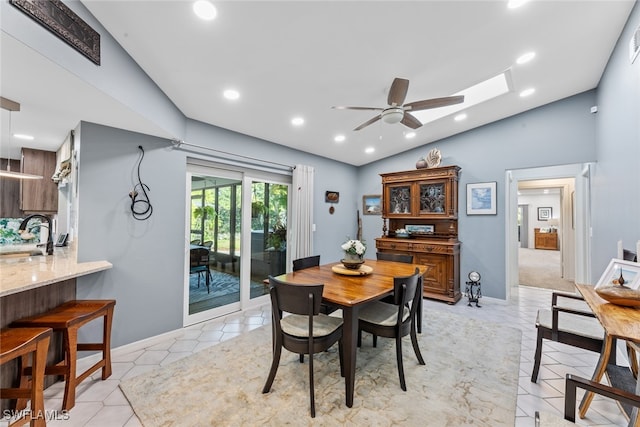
x=23, y=226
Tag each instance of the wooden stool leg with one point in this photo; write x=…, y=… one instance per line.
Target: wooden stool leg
x=21, y=403
x=37, y=384
x=70, y=349
x=106, y=352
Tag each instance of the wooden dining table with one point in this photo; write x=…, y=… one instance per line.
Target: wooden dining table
x=350, y=293
x=618, y=322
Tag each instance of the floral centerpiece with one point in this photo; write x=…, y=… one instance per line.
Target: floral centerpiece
x=353, y=253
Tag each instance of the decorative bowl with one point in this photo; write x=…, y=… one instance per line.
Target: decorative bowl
x=402, y=235
x=620, y=295
x=352, y=264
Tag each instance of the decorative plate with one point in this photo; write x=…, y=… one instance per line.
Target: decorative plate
x=362, y=271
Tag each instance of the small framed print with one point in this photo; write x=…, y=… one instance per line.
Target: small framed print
x=481, y=198
x=544, y=214
x=372, y=204
x=619, y=273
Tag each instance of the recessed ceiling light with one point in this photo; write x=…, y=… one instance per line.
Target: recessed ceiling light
x=339, y=138
x=410, y=135
x=297, y=121
x=526, y=58
x=460, y=117
x=512, y=4
x=369, y=150
x=527, y=92
x=205, y=10
x=22, y=136
x=231, y=94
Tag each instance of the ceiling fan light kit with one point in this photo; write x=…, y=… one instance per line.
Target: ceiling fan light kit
x=398, y=111
x=392, y=115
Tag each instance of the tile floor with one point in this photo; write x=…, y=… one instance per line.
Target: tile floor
x=101, y=403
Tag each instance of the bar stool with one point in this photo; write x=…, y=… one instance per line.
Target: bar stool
x=67, y=319
x=20, y=343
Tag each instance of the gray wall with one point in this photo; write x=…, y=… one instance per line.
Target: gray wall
x=616, y=187
x=555, y=134
x=148, y=267
x=148, y=256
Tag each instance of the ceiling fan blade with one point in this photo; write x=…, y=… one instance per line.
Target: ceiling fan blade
x=433, y=103
x=368, y=122
x=410, y=121
x=398, y=91
x=341, y=107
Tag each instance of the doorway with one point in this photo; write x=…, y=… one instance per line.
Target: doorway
x=547, y=241
x=574, y=214
x=236, y=238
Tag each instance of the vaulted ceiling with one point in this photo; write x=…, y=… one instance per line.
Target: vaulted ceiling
x=298, y=59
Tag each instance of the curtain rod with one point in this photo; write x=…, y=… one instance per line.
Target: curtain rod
x=177, y=143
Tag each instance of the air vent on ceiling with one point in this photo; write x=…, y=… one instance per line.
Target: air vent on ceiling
x=634, y=45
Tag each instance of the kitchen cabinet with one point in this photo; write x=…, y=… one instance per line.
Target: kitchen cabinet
x=547, y=240
x=10, y=192
x=425, y=202
x=38, y=195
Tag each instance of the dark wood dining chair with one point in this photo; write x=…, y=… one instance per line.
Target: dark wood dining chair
x=304, y=331
x=395, y=320
x=308, y=262
x=569, y=321
x=199, y=264
x=408, y=259
x=390, y=256
x=626, y=395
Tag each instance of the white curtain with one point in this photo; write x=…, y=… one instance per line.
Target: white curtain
x=301, y=237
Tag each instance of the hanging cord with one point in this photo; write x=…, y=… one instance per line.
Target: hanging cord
x=141, y=208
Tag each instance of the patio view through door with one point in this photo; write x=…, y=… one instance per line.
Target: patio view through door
x=223, y=234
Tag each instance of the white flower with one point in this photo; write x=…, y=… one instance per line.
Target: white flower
x=355, y=247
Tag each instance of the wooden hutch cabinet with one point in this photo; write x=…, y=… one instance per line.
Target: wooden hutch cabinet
x=425, y=202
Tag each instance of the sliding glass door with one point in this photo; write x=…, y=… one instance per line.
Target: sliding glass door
x=233, y=216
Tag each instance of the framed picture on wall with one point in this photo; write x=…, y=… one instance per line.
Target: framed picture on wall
x=371, y=204
x=481, y=198
x=544, y=214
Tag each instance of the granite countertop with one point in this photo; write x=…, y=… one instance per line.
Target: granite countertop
x=21, y=273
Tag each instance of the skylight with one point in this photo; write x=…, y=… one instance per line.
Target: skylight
x=482, y=92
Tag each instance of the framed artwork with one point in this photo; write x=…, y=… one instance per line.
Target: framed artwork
x=481, y=198
x=372, y=204
x=420, y=229
x=620, y=272
x=56, y=17
x=544, y=214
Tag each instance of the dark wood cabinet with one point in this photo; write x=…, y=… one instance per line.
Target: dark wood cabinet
x=10, y=192
x=38, y=195
x=425, y=200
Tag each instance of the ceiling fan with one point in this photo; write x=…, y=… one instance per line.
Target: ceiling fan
x=399, y=112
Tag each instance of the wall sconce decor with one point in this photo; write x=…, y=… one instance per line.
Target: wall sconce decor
x=331, y=197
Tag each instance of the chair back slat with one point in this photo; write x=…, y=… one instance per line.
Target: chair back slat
x=389, y=256
x=302, y=263
x=198, y=257
x=292, y=297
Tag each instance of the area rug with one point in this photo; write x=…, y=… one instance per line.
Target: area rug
x=470, y=378
x=220, y=284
